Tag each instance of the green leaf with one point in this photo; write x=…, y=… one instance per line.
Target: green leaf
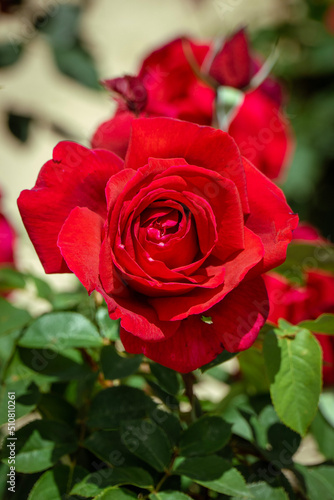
x=7, y=347
x=263, y=491
x=167, y=378
x=41, y=444
x=216, y=474
x=95, y=483
x=323, y=324
x=78, y=64
x=148, y=442
x=116, y=494
x=10, y=53
x=26, y=399
x=109, y=327
x=315, y=257
x=168, y=495
x=294, y=369
x=55, y=483
x=319, y=481
x=205, y=436
x=221, y=358
x=19, y=125
x=169, y=423
x=108, y=447
x=118, y=366
x=253, y=369
x=65, y=366
x=59, y=331
x=12, y=318
x=52, y=406
x=324, y=435
x=326, y=407
x=11, y=279
x=115, y=405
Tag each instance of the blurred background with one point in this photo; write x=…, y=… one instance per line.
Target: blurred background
x=54, y=52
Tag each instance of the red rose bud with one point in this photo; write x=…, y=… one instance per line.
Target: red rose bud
x=232, y=65
x=184, y=228
x=131, y=91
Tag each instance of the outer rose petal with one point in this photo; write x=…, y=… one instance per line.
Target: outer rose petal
x=80, y=244
x=201, y=146
x=270, y=217
x=114, y=134
x=236, y=323
x=76, y=176
x=262, y=134
x=138, y=317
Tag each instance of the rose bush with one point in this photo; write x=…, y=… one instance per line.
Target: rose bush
x=175, y=238
x=297, y=303
x=180, y=79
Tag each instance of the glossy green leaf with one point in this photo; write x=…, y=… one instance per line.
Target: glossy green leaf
x=52, y=406
x=168, y=495
x=205, y=436
x=12, y=318
x=118, y=366
x=326, y=406
x=253, y=370
x=294, y=368
x=319, y=481
x=323, y=324
x=169, y=422
x=41, y=444
x=323, y=433
x=65, y=366
x=108, y=447
x=55, y=483
x=95, y=483
x=116, y=494
x=59, y=331
x=115, y=405
x=263, y=491
x=148, y=442
x=168, y=379
x=27, y=397
x=216, y=474
x=109, y=327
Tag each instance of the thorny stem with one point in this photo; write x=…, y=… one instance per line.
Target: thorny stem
x=189, y=379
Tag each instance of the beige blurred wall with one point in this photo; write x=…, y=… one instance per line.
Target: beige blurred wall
x=118, y=33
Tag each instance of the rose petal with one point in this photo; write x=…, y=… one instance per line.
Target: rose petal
x=236, y=322
x=114, y=134
x=166, y=138
x=200, y=300
x=271, y=218
x=76, y=176
x=80, y=244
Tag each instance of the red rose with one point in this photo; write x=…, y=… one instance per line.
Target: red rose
x=7, y=240
x=183, y=229
x=298, y=303
x=175, y=90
